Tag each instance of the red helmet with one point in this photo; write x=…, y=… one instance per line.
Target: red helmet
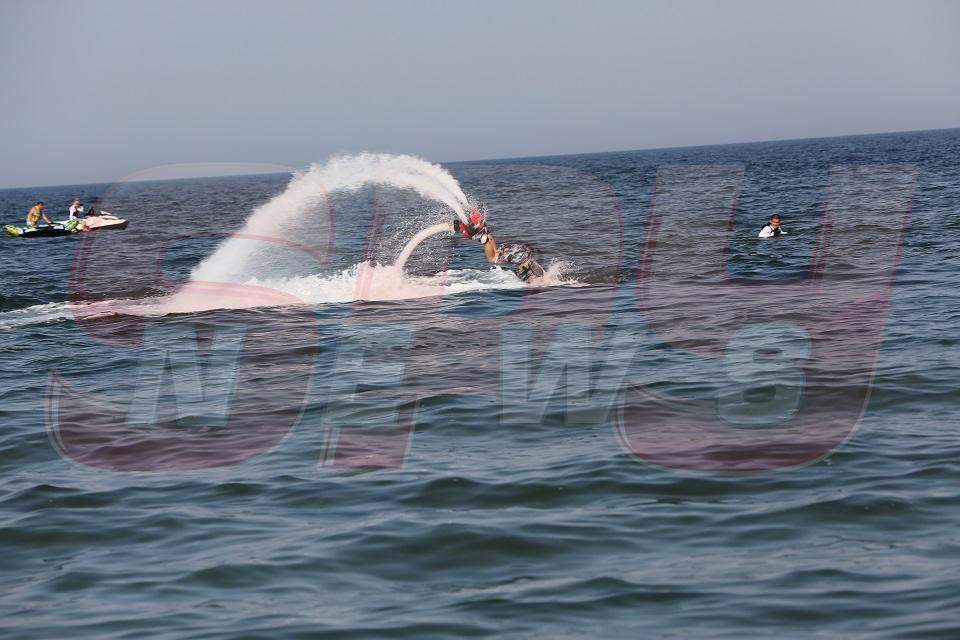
x=476, y=219
x=476, y=222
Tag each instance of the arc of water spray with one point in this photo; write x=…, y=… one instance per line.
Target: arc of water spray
x=234, y=258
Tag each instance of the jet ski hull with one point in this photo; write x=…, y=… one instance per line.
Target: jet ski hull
x=43, y=231
x=100, y=223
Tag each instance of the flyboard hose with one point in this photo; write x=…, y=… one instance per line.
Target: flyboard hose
x=417, y=239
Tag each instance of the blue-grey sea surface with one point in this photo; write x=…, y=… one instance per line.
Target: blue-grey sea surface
x=589, y=458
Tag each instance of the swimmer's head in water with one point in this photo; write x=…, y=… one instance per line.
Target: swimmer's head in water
x=775, y=220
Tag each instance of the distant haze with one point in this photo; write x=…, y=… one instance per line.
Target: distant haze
x=93, y=91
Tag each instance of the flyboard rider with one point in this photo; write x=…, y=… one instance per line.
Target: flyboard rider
x=518, y=254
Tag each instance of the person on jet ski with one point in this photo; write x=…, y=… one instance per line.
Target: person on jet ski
x=35, y=214
x=76, y=209
x=519, y=254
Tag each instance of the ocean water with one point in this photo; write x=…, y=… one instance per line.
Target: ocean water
x=682, y=432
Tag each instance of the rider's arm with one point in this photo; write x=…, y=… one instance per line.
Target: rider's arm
x=480, y=233
x=490, y=248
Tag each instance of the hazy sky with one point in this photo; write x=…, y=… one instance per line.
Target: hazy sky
x=95, y=90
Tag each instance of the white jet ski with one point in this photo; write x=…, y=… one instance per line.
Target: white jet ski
x=99, y=221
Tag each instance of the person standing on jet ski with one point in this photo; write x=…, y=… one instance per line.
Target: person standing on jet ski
x=518, y=254
x=35, y=214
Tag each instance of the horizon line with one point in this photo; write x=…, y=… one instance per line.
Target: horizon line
x=503, y=158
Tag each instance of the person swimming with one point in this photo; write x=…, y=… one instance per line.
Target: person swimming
x=519, y=254
x=772, y=230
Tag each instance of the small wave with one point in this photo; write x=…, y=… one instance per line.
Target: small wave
x=54, y=312
x=51, y=312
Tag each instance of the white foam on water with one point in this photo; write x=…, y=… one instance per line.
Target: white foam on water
x=53, y=312
x=378, y=282
x=360, y=282
x=36, y=314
